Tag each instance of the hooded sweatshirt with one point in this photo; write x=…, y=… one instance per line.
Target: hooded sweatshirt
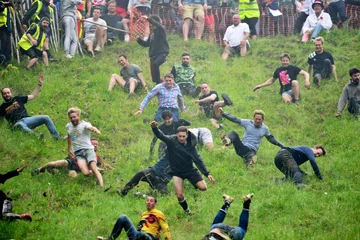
x=350, y=90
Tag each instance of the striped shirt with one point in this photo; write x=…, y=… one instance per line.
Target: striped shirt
x=168, y=98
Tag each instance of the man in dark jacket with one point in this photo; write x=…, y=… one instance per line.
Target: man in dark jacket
x=182, y=155
x=158, y=46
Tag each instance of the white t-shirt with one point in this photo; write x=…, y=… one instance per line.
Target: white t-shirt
x=90, y=28
x=80, y=135
x=234, y=34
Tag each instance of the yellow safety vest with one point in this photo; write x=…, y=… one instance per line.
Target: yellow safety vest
x=35, y=17
x=26, y=44
x=3, y=18
x=248, y=9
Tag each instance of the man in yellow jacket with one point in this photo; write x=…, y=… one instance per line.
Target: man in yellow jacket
x=151, y=223
x=33, y=43
x=249, y=13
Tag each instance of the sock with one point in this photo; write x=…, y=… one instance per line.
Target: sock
x=184, y=204
x=146, y=38
x=225, y=207
x=247, y=204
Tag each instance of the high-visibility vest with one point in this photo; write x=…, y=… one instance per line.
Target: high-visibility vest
x=248, y=9
x=35, y=18
x=25, y=42
x=3, y=18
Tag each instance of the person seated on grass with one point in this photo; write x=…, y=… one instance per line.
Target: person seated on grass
x=204, y=137
x=152, y=222
x=95, y=32
x=33, y=44
x=289, y=159
x=130, y=78
x=15, y=113
x=112, y=20
x=209, y=102
x=168, y=127
x=79, y=144
x=287, y=75
x=315, y=22
x=219, y=230
x=351, y=94
x=71, y=163
x=255, y=130
x=5, y=202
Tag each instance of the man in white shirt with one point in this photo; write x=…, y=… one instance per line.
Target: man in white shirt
x=95, y=32
x=235, y=38
x=316, y=22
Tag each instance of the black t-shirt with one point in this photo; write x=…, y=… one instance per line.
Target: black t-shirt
x=14, y=110
x=286, y=75
x=207, y=106
x=172, y=128
x=111, y=21
x=317, y=60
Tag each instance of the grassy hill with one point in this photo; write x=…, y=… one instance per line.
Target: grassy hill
x=65, y=208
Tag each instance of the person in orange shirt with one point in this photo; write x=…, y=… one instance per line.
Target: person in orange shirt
x=151, y=223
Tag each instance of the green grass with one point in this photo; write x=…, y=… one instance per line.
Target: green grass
x=65, y=208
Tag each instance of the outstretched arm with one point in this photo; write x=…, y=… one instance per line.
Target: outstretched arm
x=37, y=89
x=266, y=83
x=94, y=129
x=334, y=72
x=274, y=141
x=8, y=175
x=307, y=78
x=158, y=133
x=230, y=117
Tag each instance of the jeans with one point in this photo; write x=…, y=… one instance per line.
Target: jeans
x=300, y=21
x=123, y=222
x=316, y=31
x=236, y=233
x=71, y=38
x=29, y=123
x=243, y=151
x=285, y=162
x=354, y=105
x=336, y=8
x=159, y=112
x=155, y=63
x=112, y=34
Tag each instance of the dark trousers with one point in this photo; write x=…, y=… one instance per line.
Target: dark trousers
x=300, y=21
x=155, y=63
x=326, y=71
x=5, y=46
x=285, y=162
x=243, y=151
x=147, y=175
x=354, y=106
x=336, y=10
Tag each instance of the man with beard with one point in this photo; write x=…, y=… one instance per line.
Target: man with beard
x=322, y=62
x=184, y=76
x=351, y=94
x=287, y=75
x=79, y=144
x=15, y=113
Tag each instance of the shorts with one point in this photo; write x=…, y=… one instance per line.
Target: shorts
x=193, y=176
x=252, y=24
x=287, y=93
x=86, y=154
x=209, y=19
x=32, y=52
x=235, y=51
x=72, y=166
x=127, y=84
x=144, y=10
x=90, y=39
x=193, y=11
x=205, y=136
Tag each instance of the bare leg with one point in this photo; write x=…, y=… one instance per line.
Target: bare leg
x=45, y=58
x=295, y=90
x=286, y=98
x=199, y=28
x=201, y=185
x=96, y=172
x=133, y=84
x=31, y=62
x=54, y=164
x=116, y=79
x=186, y=28
x=226, y=53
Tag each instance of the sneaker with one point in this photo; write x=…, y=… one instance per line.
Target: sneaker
x=109, y=42
x=102, y=238
x=316, y=81
x=97, y=49
x=225, y=139
x=248, y=197
x=122, y=192
x=221, y=126
x=41, y=136
x=60, y=138
x=26, y=216
x=127, y=38
x=35, y=172
x=227, y=198
x=68, y=56
x=196, y=92
x=227, y=100
x=52, y=59
x=189, y=212
x=253, y=160
x=301, y=185
x=334, y=27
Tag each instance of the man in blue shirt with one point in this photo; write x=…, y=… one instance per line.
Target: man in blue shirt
x=289, y=159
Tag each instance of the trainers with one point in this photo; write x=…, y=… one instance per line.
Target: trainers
x=26, y=216
x=109, y=42
x=225, y=139
x=97, y=49
x=227, y=100
x=248, y=197
x=189, y=212
x=301, y=185
x=227, y=198
x=196, y=92
x=253, y=160
x=52, y=59
x=35, y=172
x=127, y=38
x=122, y=192
x=102, y=238
x=68, y=56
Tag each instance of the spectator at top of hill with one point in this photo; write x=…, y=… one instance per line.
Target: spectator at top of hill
x=92, y=4
x=249, y=13
x=304, y=13
x=210, y=19
x=5, y=33
x=95, y=32
x=184, y=75
x=337, y=9
x=209, y=102
x=68, y=20
x=15, y=113
x=236, y=38
x=158, y=46
x=130, y=78
x=351, y=94
x=322, y=62
x=193, y=9
x=113, y=20
x=287, y=75
x=169, y=98
x=121, y=7
x=316, y=22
